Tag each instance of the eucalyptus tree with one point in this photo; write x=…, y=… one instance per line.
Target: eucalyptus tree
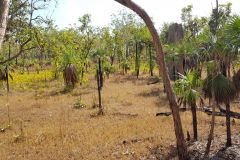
x=22, y=23
x=86, y=42
x=125, y=26
x=181, y=145
x=67, y=52
x=192, y=25
x=105, y=43
x=143, y=38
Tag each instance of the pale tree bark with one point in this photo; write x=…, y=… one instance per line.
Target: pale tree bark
x=181, y=145
x=4, y=7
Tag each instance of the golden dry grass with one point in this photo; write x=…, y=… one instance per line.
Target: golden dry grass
x=53, y=130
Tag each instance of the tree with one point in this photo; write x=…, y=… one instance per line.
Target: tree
x=181, y=145
x=224, y=92
x=4, y=8
x=23, y=23
x=87, y=41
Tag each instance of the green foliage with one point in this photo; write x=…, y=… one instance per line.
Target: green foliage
x=108, y=68
x=232, y=31
x=212, y=67
x=223, y=89
x=186, y=87
x=79, y=104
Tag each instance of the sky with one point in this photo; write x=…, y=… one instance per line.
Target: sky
x=67, y=12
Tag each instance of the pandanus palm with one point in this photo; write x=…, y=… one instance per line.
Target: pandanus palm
x=224, y=92
x=186, y=88
x=232, y=32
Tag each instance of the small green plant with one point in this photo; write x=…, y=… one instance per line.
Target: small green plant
x=79, y=104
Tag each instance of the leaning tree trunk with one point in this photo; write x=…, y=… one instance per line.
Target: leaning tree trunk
x=228, y=125
x=4, y=7
x=181, y=144
x=194, y=121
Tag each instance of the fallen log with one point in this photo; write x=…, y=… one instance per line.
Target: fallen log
x=164, y=114
x=233, y=114
x=153, y=82
x=206, y=110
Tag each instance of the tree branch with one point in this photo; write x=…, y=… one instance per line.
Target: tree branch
x=21, y=51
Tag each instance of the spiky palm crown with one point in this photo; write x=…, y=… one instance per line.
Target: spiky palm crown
x=186, y=87
x=223, y=89
x=232, y=31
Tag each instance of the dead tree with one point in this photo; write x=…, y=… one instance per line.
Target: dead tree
x=99, y=86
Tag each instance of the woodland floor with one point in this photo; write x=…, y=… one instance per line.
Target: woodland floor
x=53, y=130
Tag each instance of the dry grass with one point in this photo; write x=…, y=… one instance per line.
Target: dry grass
x=52, y=129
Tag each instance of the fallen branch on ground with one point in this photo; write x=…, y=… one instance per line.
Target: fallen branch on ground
x=206, y=110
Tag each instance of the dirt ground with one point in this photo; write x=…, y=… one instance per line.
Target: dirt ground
x=44, y=124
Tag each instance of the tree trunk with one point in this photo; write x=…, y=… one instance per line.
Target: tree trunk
x=137, y=61
x=223, y=68
x=4, y=7
x=228, y=125
x=181, y=144
x=7, y=78
x=100, y=72
x=194, y=121
x=150, y=60
x=99, y=85
x=82, y=76
x=126, y=59
x=210, y=136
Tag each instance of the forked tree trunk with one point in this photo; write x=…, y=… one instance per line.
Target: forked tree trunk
x=194, y=121
x=181, y=144
x=228, y=125
x=4, y=7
